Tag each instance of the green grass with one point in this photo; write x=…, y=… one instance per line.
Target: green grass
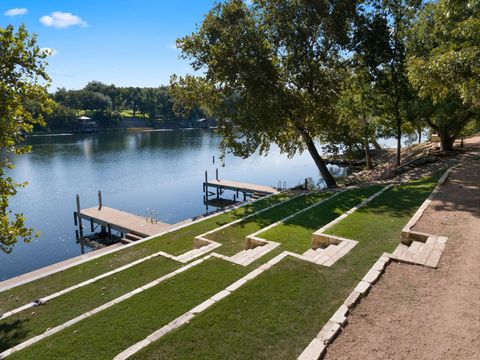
x=276, y=315
x=111, y=331
x=175, y=242
x=232, y=238
x=296, y=233
x=34, y=321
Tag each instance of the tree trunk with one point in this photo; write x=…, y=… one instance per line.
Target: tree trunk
x=368, y=157
x=322, y=167
x=399, y=140
x=375, y=144
x=446, y=141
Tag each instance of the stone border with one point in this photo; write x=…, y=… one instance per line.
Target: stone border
x=407, y=233
x=325, y=249
x=202, y=240
x=317, y=347
x=107, y=305
x=40, y=273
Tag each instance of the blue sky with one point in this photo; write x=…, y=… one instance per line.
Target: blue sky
x=124, y=42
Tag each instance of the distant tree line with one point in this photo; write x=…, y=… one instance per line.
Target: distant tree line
x=107, y=104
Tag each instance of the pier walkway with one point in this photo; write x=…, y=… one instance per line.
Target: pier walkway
x=241, y=186
x=123, y=221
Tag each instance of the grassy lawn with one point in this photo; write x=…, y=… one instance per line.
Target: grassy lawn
x=296, y=233
x=177, y=242
x=276, y=315
x=233, y=237
x=34, y=321
x=109, y=332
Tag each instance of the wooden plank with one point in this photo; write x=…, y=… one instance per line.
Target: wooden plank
x=241, y=186
x=123, y=221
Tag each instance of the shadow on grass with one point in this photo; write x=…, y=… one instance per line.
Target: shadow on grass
x=10, y=332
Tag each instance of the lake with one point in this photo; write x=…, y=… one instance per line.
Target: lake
x=159, y=170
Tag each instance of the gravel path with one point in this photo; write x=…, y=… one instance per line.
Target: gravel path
x=415, y=312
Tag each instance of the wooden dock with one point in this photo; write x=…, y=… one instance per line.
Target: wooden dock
x=124, y=222
x=241, y=187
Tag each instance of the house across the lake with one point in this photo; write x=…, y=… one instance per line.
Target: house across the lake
x=85, y=124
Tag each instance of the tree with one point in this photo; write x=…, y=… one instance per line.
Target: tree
x=381, y=39
x=272, y=73
x=444, y=64
x=23, y=81
x=356, y=109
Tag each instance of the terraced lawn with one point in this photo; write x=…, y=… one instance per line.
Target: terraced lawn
x=175, y=242
x=295, y=234
x=276, y=315
x=109, y=332
x=34, y=321
x=232, y=238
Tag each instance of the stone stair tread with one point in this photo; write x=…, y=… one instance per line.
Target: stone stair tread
x=415, y=247
x=401, y=248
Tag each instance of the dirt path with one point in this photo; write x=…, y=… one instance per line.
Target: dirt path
x=415, y=312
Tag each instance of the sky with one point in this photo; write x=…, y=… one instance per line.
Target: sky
x=121, y=42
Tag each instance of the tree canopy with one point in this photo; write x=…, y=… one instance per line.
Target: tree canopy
x=23, y=81
x=272, y=71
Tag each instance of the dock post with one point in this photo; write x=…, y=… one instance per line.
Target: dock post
x=100, y=201
x=92, y=227
x=306, y=184
x=109, y=231
x=244, y=196
x=80, y=225
x=75, y=218
x=216, y=174
x=205, y=186
x=214, y=159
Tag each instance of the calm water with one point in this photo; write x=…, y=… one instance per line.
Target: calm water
x=162, y=171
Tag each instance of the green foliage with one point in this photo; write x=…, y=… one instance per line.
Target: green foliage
x=380, y=43
x=444, y=56
x=444, y=65
x=23, y=81
x=271, y=72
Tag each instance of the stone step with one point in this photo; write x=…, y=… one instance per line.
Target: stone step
x=310, y=253
x=415, y=247
x=133, y=237
x=401, y=248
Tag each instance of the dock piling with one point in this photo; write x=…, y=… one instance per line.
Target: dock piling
x=80, y=225
x=216, y=174
x=100, y=201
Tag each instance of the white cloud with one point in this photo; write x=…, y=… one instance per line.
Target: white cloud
x=16, y=12
x=48, y=51
x=62, y=20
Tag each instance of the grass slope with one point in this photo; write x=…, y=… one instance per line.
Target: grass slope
x=34, y=321
x=296, y=233
x=106, y=334
x=276, y=315
x=232, y=238
x=175, y=242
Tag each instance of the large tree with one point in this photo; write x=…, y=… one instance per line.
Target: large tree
x=444, y=64
x=23, y=81
x=381, y=39
x=271, y=72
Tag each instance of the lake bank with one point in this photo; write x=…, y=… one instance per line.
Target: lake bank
x=158, y=170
